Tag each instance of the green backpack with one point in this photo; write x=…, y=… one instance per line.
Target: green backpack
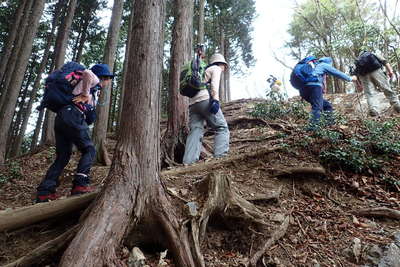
x=191, y=78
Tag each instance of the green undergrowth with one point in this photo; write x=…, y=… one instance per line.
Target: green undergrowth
x=363, y=147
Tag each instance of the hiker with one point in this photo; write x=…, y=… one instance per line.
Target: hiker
x=372, y=78
x=312, y=90
x=204, y=106
x=276, y=86
x=71, y=124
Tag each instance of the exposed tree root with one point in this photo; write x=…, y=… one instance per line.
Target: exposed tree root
x=301, y=170
x=103, y=156
x=216, y=164
x=276, y=235
x=379, y=212
x=16, y=218
x=224, y=202
x=45, y=250
x=266, y=196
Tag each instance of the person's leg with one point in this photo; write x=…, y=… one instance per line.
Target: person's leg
x=46, y=189
x=83, y=142
x=380, y=80
x=218, y=123
x=313, y=95
x=370, y=93
x=328, y=112
x=195, y=137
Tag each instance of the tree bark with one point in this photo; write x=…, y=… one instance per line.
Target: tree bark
x=133, y=180
x=36, y=133
x=12, y=36
x=202, y=4
x=36, y=85
x=222, y=98
x=125, y=74
x=16, y=81
x=100, y=128
x=174, y=138
x=12, y=62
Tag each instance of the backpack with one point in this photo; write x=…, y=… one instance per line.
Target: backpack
x=191, y=77
x=303, y=73
x=59, y=86
x=367, y=63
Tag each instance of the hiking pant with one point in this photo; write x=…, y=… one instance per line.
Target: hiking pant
x=70, y=128
x=313, y=95
x=198, y=113
x=374, y=82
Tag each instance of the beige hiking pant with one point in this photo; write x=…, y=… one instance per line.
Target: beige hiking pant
x=373, y=83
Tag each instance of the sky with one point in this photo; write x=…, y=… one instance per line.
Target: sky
x=269, y=35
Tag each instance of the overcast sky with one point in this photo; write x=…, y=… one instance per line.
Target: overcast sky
x=270, y=33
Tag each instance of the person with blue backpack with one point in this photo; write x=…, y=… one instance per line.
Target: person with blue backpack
x=308, y=76
x=71, y=93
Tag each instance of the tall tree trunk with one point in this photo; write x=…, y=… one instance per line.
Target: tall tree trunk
x=36, y=85
x=12, y=62
x=173, y=146
x=222, y=97
x=18, y=75
x=133, y=190
x=60, y=51
x=202, y=5
x=84, y=31
x=12, y=36
x=125, y=73
x=19, y=114
x=100, y=128
x=36, y=133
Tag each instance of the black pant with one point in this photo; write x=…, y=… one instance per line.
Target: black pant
x=70, y=128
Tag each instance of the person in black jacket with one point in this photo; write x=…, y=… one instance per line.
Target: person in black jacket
x=71, y=128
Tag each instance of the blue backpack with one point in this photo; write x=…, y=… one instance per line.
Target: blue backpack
x=59, y=86
x=303, y=73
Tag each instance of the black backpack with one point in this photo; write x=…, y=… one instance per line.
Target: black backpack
x=59, y=86
x=367, y=63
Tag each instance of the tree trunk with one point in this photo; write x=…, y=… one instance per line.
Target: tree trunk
x=100, y=128
x=36, y=85
x=19, y=114
x=125, y=73
x=12, y=62
x=222, y=98
x=202, y=4
x=133, y=189
x=36, y=133
x=12, y=36
x=16, y=81
x=173, y=144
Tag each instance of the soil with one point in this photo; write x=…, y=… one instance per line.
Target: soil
x=322, y=226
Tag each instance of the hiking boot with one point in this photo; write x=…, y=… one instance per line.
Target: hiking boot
x=79, y=190
x=46, y=198
x=373, y=113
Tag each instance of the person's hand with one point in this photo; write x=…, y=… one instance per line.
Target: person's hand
x=214, y=106
x=354, y=78
x=391, y=75
x=80, y=99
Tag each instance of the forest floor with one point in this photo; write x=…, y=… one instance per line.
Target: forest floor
x=325, y=228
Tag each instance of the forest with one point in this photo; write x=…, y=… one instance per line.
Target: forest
x=282, y=196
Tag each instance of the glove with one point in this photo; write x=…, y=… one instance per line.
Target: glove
x=214, y=106
x=90, y=114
